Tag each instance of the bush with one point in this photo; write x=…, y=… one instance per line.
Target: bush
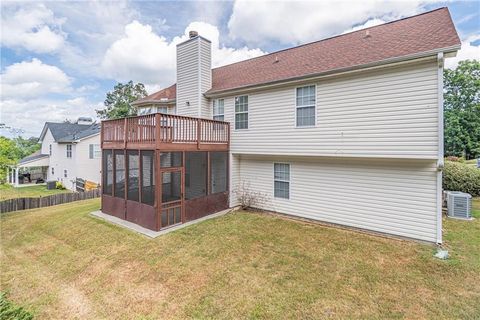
x=458, y=176
x=59, y=186
x=454, y=159
x=9, y=311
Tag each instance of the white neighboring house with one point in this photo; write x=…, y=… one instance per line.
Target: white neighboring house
x=68, y=151
x=346, y=130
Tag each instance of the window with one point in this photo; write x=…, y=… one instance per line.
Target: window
x=281, y=173
x=218, y=171
x=119, y=174
x=218, y=109
x=69, y=150
x=305, y=106
x=53, y=171
x=162, y=109
x=241, y=112
x=50, y=149
x=65, y=173
x=94, y=151
x=133, y=163
x=107, y=172
x=148, y=177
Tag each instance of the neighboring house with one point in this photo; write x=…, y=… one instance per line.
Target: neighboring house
x=68, y=151
x=347, y=130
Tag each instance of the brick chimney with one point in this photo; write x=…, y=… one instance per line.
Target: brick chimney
x=194, y=76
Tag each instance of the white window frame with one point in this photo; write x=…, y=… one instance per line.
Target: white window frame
x=97, y=151
x=69, y=152
x=65, y=173
x=289, y=181
x=50, y=149
x=53, y=171
x=247, y=112
x=215, y=103
x=297, y=107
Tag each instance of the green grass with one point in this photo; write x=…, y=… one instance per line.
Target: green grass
x=60, y=262
x=9, y=192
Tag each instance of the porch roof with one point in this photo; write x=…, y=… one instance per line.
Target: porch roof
x=36, y=159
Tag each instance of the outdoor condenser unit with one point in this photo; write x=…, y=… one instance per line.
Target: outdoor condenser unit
x=459, y=205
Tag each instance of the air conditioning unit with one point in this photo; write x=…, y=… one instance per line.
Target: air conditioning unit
x=459, y=205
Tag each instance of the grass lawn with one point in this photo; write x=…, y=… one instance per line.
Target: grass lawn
x=59, y=262
x=9, y=192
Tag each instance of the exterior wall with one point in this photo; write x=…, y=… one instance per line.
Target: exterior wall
x=88, y=169
x=194, y=76
x=79, y=165
x=388, y=113
x=389, y=196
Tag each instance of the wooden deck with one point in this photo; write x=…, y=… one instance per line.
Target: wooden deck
x=165, y=132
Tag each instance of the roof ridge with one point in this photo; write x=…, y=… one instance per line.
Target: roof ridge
x=332, y=37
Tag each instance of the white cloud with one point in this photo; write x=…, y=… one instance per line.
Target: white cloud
x=142, y=55
x=370, y=23
x=30, y=116
x=260, y=22
x=469, y=51
x=28, y=79
x=32, y=27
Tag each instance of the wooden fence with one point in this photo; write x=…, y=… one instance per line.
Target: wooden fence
x=47, y=201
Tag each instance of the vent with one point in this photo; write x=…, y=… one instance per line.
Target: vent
x=459, y=205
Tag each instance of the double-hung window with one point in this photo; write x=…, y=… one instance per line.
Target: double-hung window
x=69, y=150
x=218, y=109
x=50, y=149
x=281, y=177
x=241, y=112
x=94, y=151
x=305, y=106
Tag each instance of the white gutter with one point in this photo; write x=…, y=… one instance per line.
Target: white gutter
x=138, y=103
x=440, y=162
x=335, y=72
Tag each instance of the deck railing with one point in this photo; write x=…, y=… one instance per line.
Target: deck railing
x=162, y=128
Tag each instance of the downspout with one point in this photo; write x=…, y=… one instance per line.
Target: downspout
x=440, y=162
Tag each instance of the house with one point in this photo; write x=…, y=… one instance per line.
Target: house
x=347, y=130
x=68, y=151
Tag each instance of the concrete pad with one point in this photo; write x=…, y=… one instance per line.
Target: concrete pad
x=147, y=232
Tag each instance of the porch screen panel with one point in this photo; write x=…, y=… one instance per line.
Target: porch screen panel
x=218, y=171
x=195, y=175
x=133, y=162
x=119, y=174
x=171, y=186
x=170, y=159
x=107, y=172
x=148, y=178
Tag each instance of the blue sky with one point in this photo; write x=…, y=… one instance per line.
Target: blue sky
x=58, y=58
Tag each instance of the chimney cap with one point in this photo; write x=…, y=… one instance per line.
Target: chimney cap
x=192, y=34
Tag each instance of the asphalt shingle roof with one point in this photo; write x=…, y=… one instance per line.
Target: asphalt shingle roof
x=422, y=33
x=69, y=132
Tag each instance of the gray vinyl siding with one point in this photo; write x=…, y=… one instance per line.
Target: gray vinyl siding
x=389, y=196
x=193, y=77
x=387, y=113
x=205, y=77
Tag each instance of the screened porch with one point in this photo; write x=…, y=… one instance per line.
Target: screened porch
x=159, y=185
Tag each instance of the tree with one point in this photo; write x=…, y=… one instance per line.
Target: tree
x=26, y=147
x=462, y=110
x=12, y=150
x=119, y=101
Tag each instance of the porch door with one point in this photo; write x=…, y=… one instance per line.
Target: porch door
x=171, y=209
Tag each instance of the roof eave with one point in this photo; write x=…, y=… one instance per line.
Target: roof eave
x=424, y=54
x=146, y=102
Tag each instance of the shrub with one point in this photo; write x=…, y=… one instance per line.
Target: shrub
x=59, y=186
x=9, y=311
x=459, y=176
x=248, y=198
x=454, y=159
